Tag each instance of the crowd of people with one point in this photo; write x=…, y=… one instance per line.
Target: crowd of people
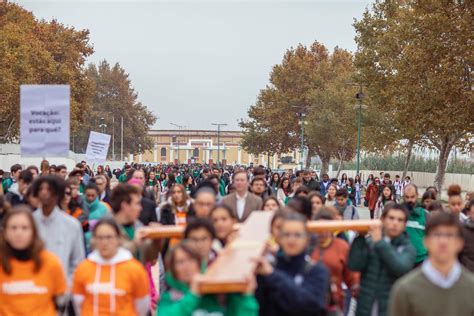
x=71, y=242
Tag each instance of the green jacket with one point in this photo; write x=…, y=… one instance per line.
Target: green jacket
x=416, y=230
x=222, y=187
x=380, y=264
x=180, y=301
x=97, y=210
x=122, y=178
x=7, y=183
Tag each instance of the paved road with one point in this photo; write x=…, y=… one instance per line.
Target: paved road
x=363, y=212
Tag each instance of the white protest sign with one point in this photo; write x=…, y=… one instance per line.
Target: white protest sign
x=44, y=120
x=97, y=147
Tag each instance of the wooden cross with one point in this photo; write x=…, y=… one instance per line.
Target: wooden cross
x=227, y=274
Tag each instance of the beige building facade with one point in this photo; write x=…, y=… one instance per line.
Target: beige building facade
x=201, y=146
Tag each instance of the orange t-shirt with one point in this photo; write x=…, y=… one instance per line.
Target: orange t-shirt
x=131, y=283
x=25, y=292
x=180, y=220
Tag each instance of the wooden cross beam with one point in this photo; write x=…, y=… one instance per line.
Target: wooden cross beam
x=227, y=274
x=358, y=225
x=234, y=264
x=361, y=225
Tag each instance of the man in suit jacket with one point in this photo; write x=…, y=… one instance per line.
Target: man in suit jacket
x=242, y=202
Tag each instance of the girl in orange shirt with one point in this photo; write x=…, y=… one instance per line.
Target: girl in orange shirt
x=32, y=281
x=110, y=281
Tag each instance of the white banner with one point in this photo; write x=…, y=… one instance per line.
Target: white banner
x=44, y=120
x=97, y=148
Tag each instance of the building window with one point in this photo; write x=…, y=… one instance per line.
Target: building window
x=163, y=152
x=196, y=152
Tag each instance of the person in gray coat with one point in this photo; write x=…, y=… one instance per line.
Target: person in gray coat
x=61, y=233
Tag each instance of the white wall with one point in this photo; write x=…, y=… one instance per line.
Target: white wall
x=421, y=179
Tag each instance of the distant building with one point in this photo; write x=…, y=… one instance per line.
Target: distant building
x=200, y=146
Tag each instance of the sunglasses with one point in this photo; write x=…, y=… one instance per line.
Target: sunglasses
x=68, y=193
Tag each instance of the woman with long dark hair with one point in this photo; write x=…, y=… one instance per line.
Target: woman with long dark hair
x=351, y=190
x=387, y=196
x=153, y=186
x=108, y=172
x=275, y=183
x=370, y=179
x=284, y=192
x=168, y=184
x=32, y=280
x=100, y=170
x=343, y=182
x=358, y=189
x=189, y=185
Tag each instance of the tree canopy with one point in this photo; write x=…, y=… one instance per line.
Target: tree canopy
x=39, y=52
x=416, y=58
x=115, y=98
x=312, y=81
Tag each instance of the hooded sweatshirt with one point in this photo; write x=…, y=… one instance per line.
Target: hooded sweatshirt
x=97, y=210
x=118, y=286
x=180, y=301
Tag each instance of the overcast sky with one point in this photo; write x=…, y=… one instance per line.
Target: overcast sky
x=198, y=62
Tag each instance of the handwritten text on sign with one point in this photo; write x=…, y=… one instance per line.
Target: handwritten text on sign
x=44, y=124
x=97, y=147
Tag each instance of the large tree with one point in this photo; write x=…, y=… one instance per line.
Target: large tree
x=312, y=81
x=39, y=52
x=416, y=58
x=113, y=100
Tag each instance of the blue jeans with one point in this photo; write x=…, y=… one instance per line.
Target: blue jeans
x=357, y=197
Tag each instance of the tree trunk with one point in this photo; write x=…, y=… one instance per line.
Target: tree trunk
x=444, y=150
x=407, y=161
x=339, y=167
x=308, y=158
x=324, y=164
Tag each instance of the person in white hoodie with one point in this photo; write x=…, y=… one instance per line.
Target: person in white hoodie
x=110, y=281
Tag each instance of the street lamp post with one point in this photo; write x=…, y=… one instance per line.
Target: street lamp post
x=102, y=125
x=180, y=127
x=360, y=98
x=219, y=141
x=302, y=115
x=140, y=153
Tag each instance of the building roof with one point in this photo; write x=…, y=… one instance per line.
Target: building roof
x=193, y=132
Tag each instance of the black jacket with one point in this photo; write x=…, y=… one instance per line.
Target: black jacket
x=467, y=254
x=296, y=287
x=312, y=185
x=106, y=198
x=148, y=213
x=13, y=198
